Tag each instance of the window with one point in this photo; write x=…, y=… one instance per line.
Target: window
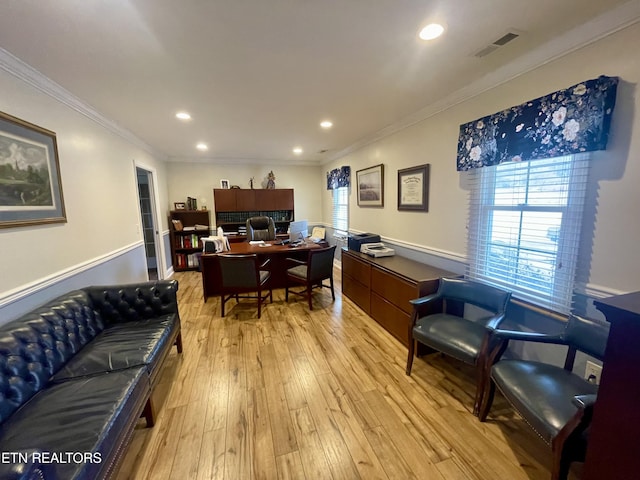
x=524, y=227
x=340, y=220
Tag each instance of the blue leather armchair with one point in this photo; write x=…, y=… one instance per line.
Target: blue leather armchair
x=450, y=332
x=554, y=401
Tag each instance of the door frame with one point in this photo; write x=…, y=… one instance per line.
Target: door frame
x=155, y=208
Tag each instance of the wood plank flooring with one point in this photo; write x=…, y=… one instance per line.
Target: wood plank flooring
x=317, y=395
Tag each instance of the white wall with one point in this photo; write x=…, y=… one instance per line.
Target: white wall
x=199, y=179
x=102, y=207
x=615, y=263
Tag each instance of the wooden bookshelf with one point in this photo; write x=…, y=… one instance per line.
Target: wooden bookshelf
x=187, y=227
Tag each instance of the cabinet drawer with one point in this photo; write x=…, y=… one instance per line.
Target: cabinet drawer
x=356, y=269
x=358, y=293
x=395, y=290
x=393, y=319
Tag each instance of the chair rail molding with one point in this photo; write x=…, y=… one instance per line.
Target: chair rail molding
x=41, y=284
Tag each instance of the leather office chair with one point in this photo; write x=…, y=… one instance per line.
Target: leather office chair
x=261, y=228
x=554, y=401
x=242, y=274
x=318, y=267
x=452, y=334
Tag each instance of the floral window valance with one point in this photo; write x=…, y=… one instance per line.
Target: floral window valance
x=338, y=177
x=565, y=122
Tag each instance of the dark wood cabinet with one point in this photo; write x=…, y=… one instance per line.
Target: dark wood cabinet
x=186, y=228
x=234, y=206
x=615, y=430
x=225, y=199
x=245, y=201
x=382, y=287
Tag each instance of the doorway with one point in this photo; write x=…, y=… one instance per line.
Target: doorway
x=146, y=195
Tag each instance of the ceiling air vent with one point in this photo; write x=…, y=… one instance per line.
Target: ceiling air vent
x=503, y=40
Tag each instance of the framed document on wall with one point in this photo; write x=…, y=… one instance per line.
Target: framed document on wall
x=413, y=188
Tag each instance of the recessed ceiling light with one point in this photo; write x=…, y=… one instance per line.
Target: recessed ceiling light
x=431, y=31
x=326, y=124
x=297, y=150
x=203, y=147
x=183, y=116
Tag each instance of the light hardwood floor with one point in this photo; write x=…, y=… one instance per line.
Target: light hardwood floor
x=317, y=395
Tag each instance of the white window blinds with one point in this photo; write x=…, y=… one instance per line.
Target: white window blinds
x=340, y=218
x=524, y=227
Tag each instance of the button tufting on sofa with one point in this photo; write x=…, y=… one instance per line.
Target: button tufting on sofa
x=78, y=372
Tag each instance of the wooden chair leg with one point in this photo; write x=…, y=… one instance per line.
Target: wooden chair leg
x=487, y=401
x=309, y=290
x=559, y=466
x=479, y=394
x=148, y=413
x=222, y=300
x=333, y=295
x=412, y=346
x=179, y=342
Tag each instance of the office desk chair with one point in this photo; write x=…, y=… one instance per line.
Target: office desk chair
x=261, y=228
x=242, y=274
x=318, y=267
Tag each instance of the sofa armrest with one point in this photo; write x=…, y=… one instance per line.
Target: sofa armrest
x=135, y=301
x=25, y=465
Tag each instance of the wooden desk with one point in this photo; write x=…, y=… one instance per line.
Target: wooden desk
x=277, y=254
x=382, y=287
x=612, y=452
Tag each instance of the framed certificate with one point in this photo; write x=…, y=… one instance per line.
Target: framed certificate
x=413, y=188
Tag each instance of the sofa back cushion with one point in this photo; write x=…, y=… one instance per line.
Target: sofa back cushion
x=135, y=301
x=36, y=345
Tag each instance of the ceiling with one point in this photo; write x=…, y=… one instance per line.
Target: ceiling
x=258, y=76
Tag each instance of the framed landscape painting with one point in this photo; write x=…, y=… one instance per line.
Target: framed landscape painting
x=371, y=186
x=30, y=185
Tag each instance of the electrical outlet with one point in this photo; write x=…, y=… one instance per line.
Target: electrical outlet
x=592, y=372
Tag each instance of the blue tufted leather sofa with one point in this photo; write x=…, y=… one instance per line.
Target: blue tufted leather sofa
x=77, y=373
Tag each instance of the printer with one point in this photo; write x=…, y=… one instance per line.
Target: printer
x=377, y=249
x=355, y=241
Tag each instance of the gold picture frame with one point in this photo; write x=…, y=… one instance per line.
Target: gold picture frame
x=30, y=181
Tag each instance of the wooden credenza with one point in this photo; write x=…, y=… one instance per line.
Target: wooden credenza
x=382, y=287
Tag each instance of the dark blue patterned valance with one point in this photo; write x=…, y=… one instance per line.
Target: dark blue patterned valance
x=338, y=177
x=565, y=122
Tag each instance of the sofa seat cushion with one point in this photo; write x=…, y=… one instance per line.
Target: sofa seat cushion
x=544, y=392
x=121, y=346
x=439, y=330
x=91, y=415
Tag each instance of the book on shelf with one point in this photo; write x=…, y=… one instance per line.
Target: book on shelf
x=201, y=227
x=188, y=229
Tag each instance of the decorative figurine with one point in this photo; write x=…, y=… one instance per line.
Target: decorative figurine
x=251, y=183
x=271, y=180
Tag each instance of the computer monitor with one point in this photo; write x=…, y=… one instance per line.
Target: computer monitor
x=298, y=230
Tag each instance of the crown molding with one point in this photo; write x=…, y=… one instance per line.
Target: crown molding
x=606, y=24
x=29, y=75
x=227, y=161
